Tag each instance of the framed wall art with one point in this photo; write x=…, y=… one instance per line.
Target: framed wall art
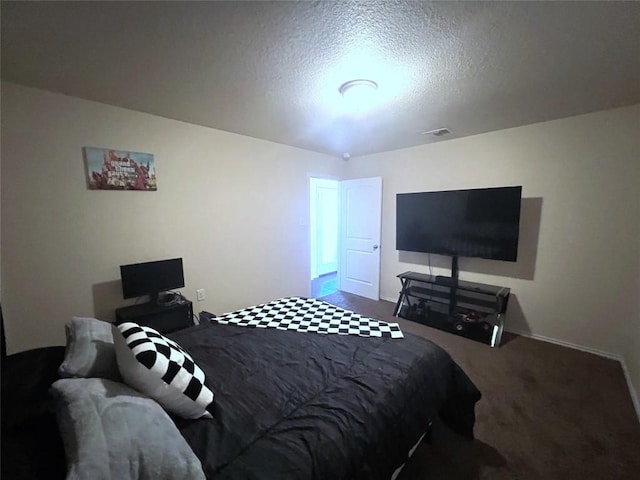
x=109, y=169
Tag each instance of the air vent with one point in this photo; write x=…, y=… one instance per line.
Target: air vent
x=438, y=132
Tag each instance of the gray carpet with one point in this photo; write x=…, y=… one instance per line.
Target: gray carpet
x=547, y=412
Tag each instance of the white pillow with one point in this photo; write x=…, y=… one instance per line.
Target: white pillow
x=161, y=369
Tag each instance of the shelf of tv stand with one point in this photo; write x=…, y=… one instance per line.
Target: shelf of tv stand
x=473, y=310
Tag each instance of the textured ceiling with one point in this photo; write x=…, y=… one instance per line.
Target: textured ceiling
x=272, y=70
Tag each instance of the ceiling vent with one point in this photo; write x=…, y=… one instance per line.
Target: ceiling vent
x=438, y=132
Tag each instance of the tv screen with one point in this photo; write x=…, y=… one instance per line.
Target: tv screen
x=481, y=222
x=151, y=278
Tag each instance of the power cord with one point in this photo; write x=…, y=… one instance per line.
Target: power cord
x=175, y=298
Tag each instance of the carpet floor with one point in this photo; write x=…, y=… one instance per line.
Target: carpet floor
x=547, y=412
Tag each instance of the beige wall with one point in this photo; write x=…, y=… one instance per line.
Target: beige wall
x=576, y=280
x=632, y=350
x=235, y=208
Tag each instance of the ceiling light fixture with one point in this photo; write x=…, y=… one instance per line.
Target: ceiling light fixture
x=358, y=93
x=352, y=86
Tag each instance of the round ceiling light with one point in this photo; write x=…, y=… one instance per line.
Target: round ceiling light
x=358, y=88
x=359, y=95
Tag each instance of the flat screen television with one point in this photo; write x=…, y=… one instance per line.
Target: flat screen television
x=151, y=278
x=481, y=222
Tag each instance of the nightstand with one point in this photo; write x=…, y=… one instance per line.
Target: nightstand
x=164, y=319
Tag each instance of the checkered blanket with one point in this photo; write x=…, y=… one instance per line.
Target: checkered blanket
x=309, y=315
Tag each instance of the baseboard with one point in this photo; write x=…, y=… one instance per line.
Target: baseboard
x=595, y=351
x=562, y=343
x=387, y=299
x=632, y=390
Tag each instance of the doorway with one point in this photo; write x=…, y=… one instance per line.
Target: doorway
x=324, y=220
x=345, y=229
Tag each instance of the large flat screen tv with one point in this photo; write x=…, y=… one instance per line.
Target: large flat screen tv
x=482, y=222
x=151, y=278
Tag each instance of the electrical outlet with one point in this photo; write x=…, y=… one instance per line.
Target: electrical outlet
x=200, y=295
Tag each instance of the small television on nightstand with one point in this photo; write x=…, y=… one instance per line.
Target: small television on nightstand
x=151, y=278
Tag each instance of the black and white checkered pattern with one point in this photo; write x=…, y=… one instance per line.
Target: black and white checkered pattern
x=168, y=360
x=309, y=315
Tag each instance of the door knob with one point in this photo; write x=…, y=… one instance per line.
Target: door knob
x=375, y=247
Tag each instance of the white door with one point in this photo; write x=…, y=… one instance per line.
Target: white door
x=360, y=215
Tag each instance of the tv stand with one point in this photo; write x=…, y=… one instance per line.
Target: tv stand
x=446, y=281
x=454, y=269
x=473, y=310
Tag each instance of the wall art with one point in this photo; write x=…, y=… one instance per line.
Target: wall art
x=109, y=169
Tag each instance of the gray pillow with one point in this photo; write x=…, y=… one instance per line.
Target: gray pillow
x=111, y=431
x=90, y=351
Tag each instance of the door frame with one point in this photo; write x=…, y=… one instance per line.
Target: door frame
x=340, y=226
x=316, y=186
x=308, y=223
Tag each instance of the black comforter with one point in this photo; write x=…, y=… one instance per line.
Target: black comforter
x=311, y=406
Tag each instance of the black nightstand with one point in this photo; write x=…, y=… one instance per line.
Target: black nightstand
x=164, y=319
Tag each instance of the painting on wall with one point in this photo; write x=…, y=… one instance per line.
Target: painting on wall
x=109, y=169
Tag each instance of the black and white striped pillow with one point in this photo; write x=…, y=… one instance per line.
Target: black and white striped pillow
x=158, y=367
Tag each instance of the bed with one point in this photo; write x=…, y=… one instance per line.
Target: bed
x=290, y=399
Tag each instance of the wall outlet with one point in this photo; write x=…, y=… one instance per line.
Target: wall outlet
x=200, y=295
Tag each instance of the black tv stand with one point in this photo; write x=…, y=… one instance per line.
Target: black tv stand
x=473, y=310
x=446, y=281
x=454, y=269
x=163, y=318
